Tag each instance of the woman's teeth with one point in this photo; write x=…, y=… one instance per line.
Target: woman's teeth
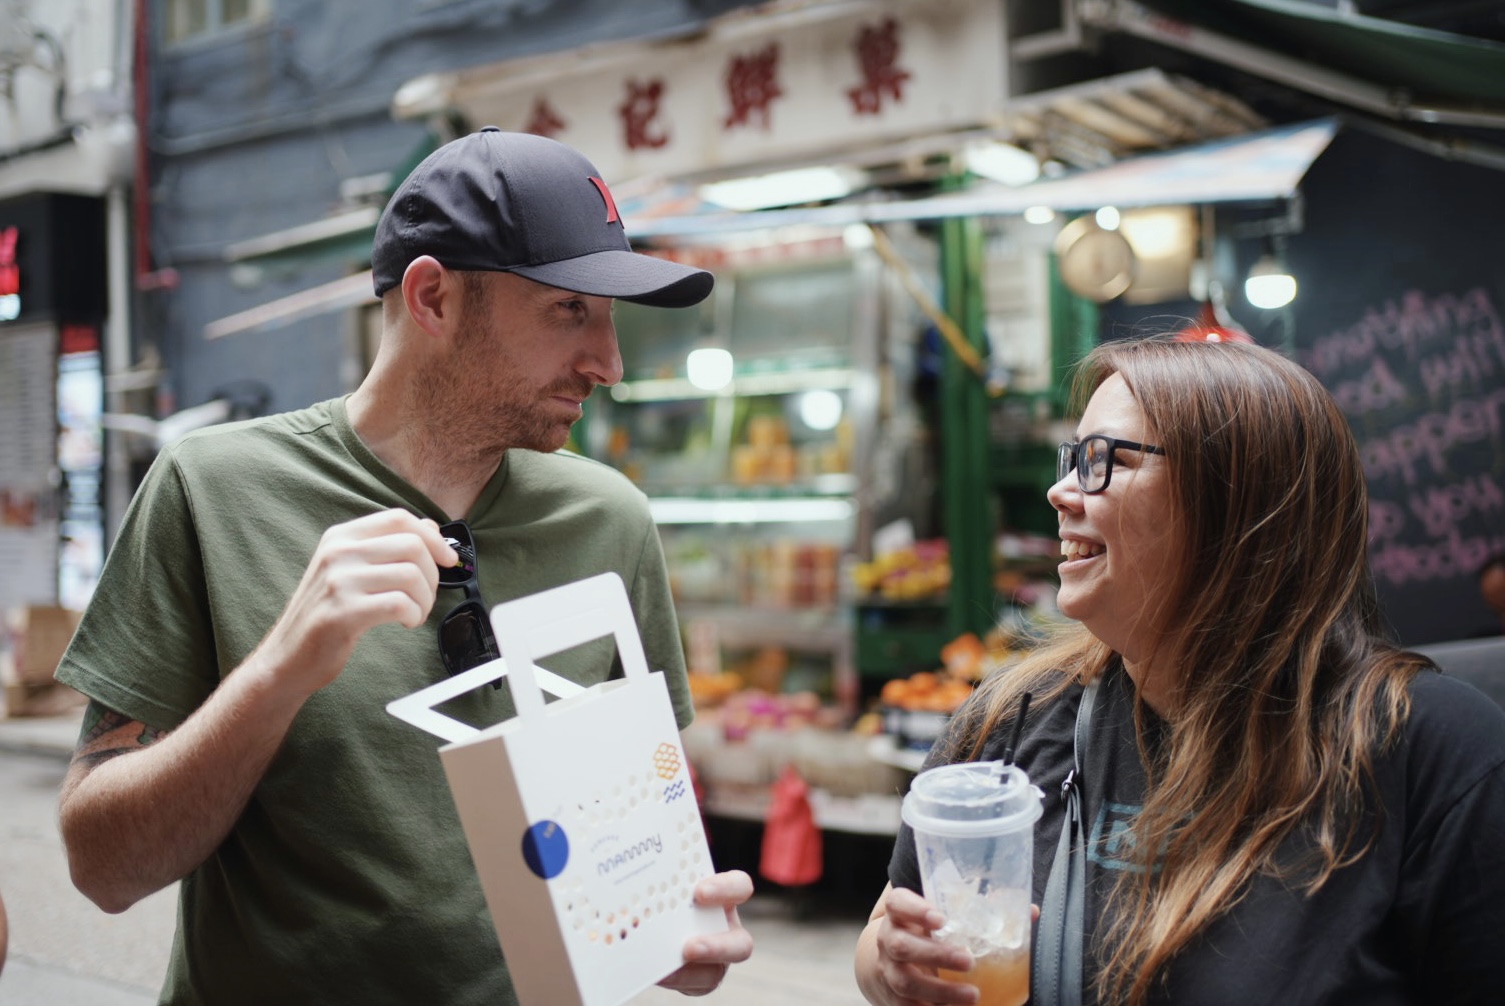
x=1071, y=548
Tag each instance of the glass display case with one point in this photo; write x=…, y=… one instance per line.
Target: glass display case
x=755, y=473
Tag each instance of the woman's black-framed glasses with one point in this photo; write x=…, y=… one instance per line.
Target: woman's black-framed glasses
x=465, y=637
x=1092, y=459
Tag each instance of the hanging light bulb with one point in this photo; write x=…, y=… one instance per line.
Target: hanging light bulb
x=1269, y=284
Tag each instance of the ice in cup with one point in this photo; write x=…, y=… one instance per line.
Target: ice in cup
x=974, y=835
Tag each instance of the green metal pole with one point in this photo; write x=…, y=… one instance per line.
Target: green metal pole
x=964, y=436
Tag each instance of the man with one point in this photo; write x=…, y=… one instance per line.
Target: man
x=274, y=585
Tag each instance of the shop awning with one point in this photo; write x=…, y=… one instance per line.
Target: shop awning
x=345, y=234
x=1384, y=67
x=1257, y=167
x=350, y=291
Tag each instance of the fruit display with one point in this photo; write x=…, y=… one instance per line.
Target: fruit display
x=751, y=711
x=920, y=572
x=710, y=690
x=926, y=691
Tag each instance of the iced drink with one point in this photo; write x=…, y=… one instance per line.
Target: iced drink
x=974, y=837
x=1001, y=978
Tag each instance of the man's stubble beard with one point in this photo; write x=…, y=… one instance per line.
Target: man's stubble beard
x=486, y=418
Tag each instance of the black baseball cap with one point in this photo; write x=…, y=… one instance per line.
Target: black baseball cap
x=525, y=204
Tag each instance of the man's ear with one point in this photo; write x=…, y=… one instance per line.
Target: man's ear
x=432, y=295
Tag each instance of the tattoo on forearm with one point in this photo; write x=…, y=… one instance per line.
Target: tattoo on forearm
x=98, y=758
x=98, y=721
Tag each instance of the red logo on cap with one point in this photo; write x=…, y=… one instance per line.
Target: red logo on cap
x=612, y=216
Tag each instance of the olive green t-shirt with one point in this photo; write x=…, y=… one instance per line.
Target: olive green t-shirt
x=347, y=878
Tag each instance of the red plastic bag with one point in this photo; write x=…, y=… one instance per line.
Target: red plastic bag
x=792, y=853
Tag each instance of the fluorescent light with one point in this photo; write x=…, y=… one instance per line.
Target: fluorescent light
x=677, y=510
x=857, y=237
x=1002, y=162
x=1108, y=218
x=1039, y=215
x=783, y=188
x=1269, y=284
x=709, y=369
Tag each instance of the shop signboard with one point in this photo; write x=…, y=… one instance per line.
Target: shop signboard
x=772, y=86
x=52, y=299
x=52, y=258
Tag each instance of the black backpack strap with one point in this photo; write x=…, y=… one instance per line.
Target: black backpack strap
x=1058, y=946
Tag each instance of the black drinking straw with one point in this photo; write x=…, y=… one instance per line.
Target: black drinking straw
x=1008, y=752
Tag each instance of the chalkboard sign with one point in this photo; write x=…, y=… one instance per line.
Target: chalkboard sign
x=1402, y=273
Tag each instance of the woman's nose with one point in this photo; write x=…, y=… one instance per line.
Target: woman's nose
x=1066, y=494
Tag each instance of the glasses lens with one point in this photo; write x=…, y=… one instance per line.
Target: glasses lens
x=1065, y=460
x=465, y=638
x=457, y=533
x=1093, y=470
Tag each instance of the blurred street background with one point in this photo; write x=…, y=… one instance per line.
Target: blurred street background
x=920, y=214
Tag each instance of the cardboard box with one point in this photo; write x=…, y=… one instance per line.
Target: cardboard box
x=39, y=635
x=580, y=815
x=50, y=699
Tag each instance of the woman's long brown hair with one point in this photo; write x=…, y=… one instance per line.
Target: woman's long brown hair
x=1284, y=689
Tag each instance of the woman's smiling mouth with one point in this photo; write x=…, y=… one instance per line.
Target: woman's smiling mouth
x=1075, y=548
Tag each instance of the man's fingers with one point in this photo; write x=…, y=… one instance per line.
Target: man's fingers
x=443, y=552
x=727, y=889
x=731, y=947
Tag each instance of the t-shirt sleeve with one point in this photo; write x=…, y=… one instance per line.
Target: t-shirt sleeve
x=144, y=646
x=1452, y=894
x=653, y=604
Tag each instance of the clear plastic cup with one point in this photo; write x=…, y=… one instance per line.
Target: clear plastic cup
x=974, y=826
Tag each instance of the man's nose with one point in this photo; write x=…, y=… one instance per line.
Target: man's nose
x=603, y=357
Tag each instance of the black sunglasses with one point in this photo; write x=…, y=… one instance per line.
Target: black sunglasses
x=1092, y=459
x=465, y=637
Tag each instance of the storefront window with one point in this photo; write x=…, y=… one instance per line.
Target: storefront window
x=191, y=19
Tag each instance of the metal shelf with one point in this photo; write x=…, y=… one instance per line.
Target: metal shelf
x=801, y=628
x=868, y=814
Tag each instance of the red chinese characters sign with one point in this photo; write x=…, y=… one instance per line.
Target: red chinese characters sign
x=877, y=51
x=767, y=88
x=752, y=84
x=543, y=120
x=639, y=112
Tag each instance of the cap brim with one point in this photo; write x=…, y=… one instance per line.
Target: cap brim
x=625, y=275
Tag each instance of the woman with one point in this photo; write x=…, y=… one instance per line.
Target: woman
x=1278, y=806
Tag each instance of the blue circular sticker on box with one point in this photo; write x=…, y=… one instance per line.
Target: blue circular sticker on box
x=545, y=849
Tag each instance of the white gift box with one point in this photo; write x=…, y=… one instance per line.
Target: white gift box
x=579, y=814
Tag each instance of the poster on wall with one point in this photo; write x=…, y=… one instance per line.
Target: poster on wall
x=1421, y=377
x=28, y=518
